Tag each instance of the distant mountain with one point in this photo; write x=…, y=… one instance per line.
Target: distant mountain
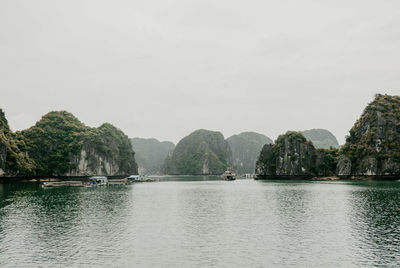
x=203, y=152
x=321, y=138
x=151, y=154
x=246, y=148
x=373, y=146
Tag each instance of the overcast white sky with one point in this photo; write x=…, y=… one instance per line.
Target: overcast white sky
x=161, y=68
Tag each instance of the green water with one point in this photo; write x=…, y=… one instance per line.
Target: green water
x=202, y=222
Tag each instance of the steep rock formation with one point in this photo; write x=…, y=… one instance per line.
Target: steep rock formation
x=373, y=146
x=321, y=138
x=3, y=148
x=202, y=152
x=13, y=160
x=246, y=148
x=105, y=150
x=150, y=154
x=293, y=155
x=63, y=146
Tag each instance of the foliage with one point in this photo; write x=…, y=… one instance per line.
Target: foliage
x=59, y=137
x=13, y=159
x=376, y=134
x=328, y=160
x=293, y=155
x=51, y=142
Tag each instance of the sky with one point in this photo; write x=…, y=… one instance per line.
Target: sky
x=164, y=68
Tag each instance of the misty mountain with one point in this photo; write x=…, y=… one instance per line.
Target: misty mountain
x=321, y=138
x=245, y=149
x=151, y=153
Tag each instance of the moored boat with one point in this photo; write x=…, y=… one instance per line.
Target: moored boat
x=138, y=178
x=228, y=176
x=98, y=181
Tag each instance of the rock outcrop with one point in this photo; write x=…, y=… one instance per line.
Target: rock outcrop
x=3, y=148
x=61, y=145
x=373, y=146
x=150, y=154
x=246, y=148
x=203, y=152
x=292, y=155
x=13, y=160
x=321, y=138
x=105, y=150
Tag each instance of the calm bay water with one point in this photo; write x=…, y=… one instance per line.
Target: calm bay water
x=200, y=221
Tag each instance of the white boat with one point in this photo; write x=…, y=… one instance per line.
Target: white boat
x=228, y=176
x=138, y=178
x=98, y=181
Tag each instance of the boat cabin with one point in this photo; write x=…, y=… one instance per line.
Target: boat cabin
x=98, y=180
x=133, y=178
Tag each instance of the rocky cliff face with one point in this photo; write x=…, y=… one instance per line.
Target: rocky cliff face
x=246, y=148
x=105, y=150
x=150, y=154
x=202, y=152
x=13, y=160
x=373, y=146
x=321, y=138
x=3, y=148
x=293, y=155
x=63, y=146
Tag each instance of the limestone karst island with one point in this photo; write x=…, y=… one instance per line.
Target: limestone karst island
x=61, y=146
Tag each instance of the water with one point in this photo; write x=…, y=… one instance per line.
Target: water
x=197, y=222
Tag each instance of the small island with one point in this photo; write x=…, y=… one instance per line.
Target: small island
x=372, y=149
x=59, y=145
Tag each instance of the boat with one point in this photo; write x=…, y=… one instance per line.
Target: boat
x=98, y=181
x=228, y=176
x=138, y=178
x=62, y=184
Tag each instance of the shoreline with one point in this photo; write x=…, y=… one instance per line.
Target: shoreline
x=260, y=178
x=333, y=178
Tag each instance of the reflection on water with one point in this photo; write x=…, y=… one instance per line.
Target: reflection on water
x=375, y=224
x=200, y=221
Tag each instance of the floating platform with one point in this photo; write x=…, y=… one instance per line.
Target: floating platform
x=63, y=184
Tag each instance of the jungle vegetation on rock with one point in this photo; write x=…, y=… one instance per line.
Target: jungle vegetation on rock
x=59, y=145
x=373, y=145
x=372, y=148
x=293, y=155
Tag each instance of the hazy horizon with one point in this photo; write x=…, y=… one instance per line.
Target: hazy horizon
x=162, y=69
